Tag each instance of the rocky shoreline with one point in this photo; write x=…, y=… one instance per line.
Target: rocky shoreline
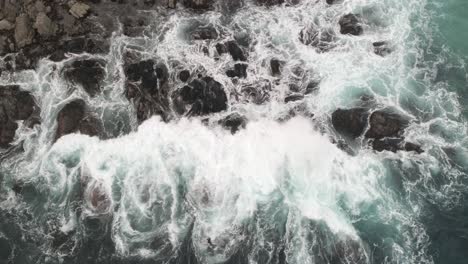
x=35, y=29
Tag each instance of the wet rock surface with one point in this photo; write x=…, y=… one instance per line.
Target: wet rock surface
x=89, y=73
x=15, y=105
x=200, y=97
x=350, y=24
x=75, y=117
x=234, y=122
x=321, y=39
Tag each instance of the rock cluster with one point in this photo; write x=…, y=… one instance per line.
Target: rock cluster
x=74, y=117
x=15, y=105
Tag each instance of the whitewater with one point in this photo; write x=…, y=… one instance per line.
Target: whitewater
x=279, y=190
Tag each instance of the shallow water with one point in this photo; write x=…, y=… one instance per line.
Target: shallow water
x=276, y=192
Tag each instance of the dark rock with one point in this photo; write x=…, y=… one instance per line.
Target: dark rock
x=204, y=33
x=235, y=51
x=146, y=87
x=234, y=122
x=198, y=4
x=293, y=97
x=312, y=87
x=221, y=48
x=184, y=75
x=73, y=118
x=240, y=70
x=350, y=122
x=15, y=105
x=382, y=48
x=202, y=96
x=334, y=2
x=275, y=66
x=269, y=2
x=88, y=73
x=23, y=31
x=322, y=39
x=350, y=24
x=394, y=145
x=384, y=124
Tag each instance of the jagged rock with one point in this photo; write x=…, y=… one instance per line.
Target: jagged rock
x=322, y=39
x=73, y=118
x=269, y=2
x=88, y=73
x=394, y=145
x=240, y=70
x=184, y=75
x=235, y=51
x=275, y=66
x=6, y=25
x=15, y=105
x=79, y=10
x=234, y=122
x=384, y=124
x=44, y=25
x=198, y=4
x=382, y=48
x=350, y=24
x=202, y=96
x=350, y=122
x=204, y=33
x=23, y=31
x=293, y=97
x=334, y=2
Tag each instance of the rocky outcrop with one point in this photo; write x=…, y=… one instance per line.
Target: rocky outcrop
x=15, y=105
x=202, y=96
x=75, y=118
x=384, y=128
x=89, y=73
x=350, y=24
x=146, y=88
x=233, y=48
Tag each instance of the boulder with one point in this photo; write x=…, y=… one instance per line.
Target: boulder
x=275, y=66
x=204, y=33
x=148, y=74
x=334, y=2
x=44, y=25
x=269, y=2
x=382, y=48
x=15, y=105
x=89, y=73
x=79, y=10
x=350, y=122
x=23, y=31
x=198, y=4
x=184, y=75
x=233, y=122
x=240, y=70
x=293, y=97
x=73, y=118
x=350, y=24
x=394, y=145
x=6, y=25
x=202, y=96
x=235, y=51
x=321, y=39
x=385, y=124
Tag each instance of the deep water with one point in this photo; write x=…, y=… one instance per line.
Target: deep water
x=189, y=191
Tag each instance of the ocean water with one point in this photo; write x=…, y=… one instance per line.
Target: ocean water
x=189, y=191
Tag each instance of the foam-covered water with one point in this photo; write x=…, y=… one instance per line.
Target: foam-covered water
x=275, y=192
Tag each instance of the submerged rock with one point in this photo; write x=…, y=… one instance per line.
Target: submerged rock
x=198, y=4
x=204, y=33
x=74, y=118
x=235, y=51
x=15, y=105
x=322, y=39
x=382, y=48
x=269, y=2
x=334, y=2
x=395, y=144
x=234, y=122
x=88, y=73
x=184, y=75
x=240, y=70
x=350, y=24
x=202, y=96
x=275, y=66
x=293, y=97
